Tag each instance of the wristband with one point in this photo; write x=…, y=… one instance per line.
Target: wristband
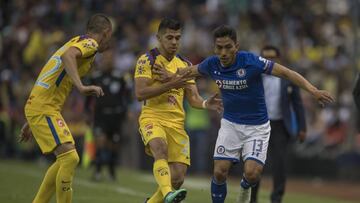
x=204, y=104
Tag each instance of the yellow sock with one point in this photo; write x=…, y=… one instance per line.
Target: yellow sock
x=157, y=197
x=162, y=175
x=68, y=162
x=47, y=187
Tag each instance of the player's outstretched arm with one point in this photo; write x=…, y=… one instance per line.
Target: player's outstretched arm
x=144, y=88
x=196, y=101
x=322, y=96
x=70, y=65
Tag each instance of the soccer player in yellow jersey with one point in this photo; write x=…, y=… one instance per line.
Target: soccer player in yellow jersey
x=162, y=116
x=44, y=121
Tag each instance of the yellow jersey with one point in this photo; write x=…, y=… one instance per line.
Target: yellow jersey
x=53, y=84
x=167, y=107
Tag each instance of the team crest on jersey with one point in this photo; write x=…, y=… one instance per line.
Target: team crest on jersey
x=241, y=72
x=141, y=62
x=89, y=44
x=60, y=122
x=140, y=70
x=148, y=126
x=171, y=100
x=220, y=149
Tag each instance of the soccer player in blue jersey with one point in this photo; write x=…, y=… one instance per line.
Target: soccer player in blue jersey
x=245, y=128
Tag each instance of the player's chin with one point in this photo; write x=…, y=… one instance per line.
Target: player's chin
x=172, y=50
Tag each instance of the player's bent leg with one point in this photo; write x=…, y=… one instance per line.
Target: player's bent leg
x=161, y=170
x=47, y=188
x=178, y=172
x=252, y=174
x=68, y=159
x=252, y=171
x=218, y=183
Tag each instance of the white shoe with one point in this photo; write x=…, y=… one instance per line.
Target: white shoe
x=244, y=196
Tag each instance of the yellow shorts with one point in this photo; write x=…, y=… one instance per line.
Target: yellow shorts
x=176, y=138
x=49, y=130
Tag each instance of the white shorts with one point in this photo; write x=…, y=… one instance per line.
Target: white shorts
x=248, y=141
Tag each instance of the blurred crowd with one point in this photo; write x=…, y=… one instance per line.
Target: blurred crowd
x=316, y=38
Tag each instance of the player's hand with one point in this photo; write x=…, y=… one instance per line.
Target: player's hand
x=91, y=90
x=25, y=133
x=180, y=79
x=323, y=97
x=214, y=103
x=163, y=75
x=302, y=136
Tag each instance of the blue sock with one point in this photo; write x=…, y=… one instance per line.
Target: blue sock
x=246, y=184
x=218, y=191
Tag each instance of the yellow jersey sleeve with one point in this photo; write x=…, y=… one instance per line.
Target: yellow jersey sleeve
x=143, y=68
x=87, y=46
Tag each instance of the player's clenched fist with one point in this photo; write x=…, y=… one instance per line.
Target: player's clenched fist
x=91, y=90
x=25, y=134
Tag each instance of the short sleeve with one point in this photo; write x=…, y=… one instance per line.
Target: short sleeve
x=191, y=81
x=204, y=66
x=143, y=68
x=261, y=63
x=87, y=46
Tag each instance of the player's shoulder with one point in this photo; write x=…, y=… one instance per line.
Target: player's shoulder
x=143, y=60
x=211, y=60
x=245, y=54
x=183, y=59
x=247, y=57
x=149, y=57
x=85, y=41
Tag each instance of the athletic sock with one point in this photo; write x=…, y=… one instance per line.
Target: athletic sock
x=48, y=185
x=218, y=191
x=162, y=175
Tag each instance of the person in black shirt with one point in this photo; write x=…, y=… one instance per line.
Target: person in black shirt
x=109, y=114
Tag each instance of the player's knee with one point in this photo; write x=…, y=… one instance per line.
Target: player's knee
x=177, y=181
x=253, y=176
x=220, y=174
x=74, y=159
x=70, y=159
x=159, y=151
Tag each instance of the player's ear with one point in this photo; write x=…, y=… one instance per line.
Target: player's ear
x=158, y=36
x=237, y=45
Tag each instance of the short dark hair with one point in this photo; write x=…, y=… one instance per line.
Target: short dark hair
x=271, y=48
x=98, y=23
x=225, y=31
x=170, y=24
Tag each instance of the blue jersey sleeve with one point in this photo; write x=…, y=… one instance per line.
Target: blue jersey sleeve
x=205, y=66
x=263, y=64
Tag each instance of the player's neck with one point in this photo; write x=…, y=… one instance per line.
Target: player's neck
x=230, y=64
x=95, y=37
x=165, y=54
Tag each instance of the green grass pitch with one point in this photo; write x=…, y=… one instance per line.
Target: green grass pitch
x=20, y=181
